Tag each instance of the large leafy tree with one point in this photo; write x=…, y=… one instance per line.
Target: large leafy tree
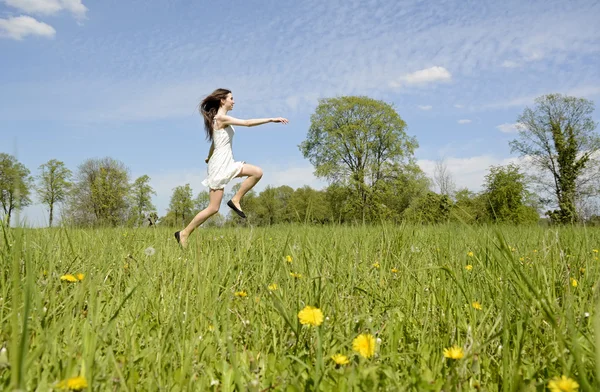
x=558, y=137
x=141, y=199
x=15, y=185
x=359, y=142
x=53, y=185
x=506, y=196
x=100, y=193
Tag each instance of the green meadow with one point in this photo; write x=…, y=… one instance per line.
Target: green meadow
x=515, y=306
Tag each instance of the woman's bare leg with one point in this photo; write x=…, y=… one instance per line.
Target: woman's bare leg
x=254, y=174
x=215, y=197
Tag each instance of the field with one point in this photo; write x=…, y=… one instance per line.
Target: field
x=514, y=306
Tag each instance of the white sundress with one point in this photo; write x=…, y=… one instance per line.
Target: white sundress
x=222, y=168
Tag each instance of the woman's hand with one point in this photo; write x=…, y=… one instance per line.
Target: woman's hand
x=280, y=120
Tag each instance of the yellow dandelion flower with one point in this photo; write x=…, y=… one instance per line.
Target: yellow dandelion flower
x=73, y=383
x=582, y=270
x=68, y=278
x=521, y=258
x=273, y=287
x=454, y=352
x=340, y=359
x=364, y=344
x=395, y=270
x=573, y=282
x=563, y=384
x=535, y=251
x=376, y=265
x=288, y=258
x=469, y=267
x=241, y=294
x=470, y=254
x=311, y=316
x=80, y=276
x=295, y=275
x=477, y=305
x=595, y=251
x=211, y=328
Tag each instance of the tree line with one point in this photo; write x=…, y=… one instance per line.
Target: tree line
x=360, y=146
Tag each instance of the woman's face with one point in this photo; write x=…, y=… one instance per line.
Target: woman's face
x=228, y=102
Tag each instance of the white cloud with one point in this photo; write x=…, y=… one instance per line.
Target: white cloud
x=510, y=64
x=459, y=106
x=464, y=121
x=466, y=172
x=49, y=7
x=428, y=75
x=21, y=26
x=425, y=107
x=510, y=128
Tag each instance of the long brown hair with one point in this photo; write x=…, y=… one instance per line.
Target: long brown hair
x=209, y=107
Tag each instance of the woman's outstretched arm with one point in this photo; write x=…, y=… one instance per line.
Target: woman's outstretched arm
x=228, y=120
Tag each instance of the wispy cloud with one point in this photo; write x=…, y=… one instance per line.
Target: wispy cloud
x=425, y=107
x=49, y=7
x=465, y=44
x=464, y=121
x=20, y=27
x=510, y=128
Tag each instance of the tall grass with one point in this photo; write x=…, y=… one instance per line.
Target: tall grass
x=150, y=316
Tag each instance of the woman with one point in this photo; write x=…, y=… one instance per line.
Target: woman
x=221, y=166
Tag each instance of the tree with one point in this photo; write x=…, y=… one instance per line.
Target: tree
x=469, y=207
x=181, y=205
x=506, y=195
x=357, y=141
x=53, y=185
x=100, y=193
x=443, y=178
x=15, y=184
x=141, y=199
x=201, y=201
x=558, y=137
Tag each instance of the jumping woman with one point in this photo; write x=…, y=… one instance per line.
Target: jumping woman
x=221, y=166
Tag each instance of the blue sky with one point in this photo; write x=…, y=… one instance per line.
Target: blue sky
x=84, y=79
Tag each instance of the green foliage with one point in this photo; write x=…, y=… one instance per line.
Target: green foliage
x=558, y=137
x=147, y=316
x=505, y=195
x=180, y=208
x=431, y=208
x=201, y=201
x=15, y=185
x=356, y=141
x=469, y=207
x=141, y=200
x=100, y=194
x=53, y=185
